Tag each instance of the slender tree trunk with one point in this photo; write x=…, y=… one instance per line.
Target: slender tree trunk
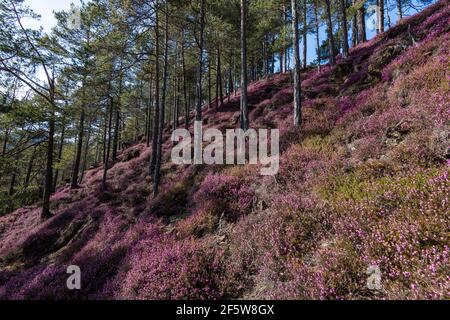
x=230, y=78
x=85, y=153
x=355, y=31
x=13, y=181
x=316, y=22
x=361, y=25
x=219, y=88
x=209, y=82
x=105, y=134
x=117, y=129
x=244, y=103
x=108, y=145
x=60, y=150
x=5, y=142
x=331, y=45
x=399, y=9
x=30, y=168
x=380, y=16
x=387, y=14
x=163, y=101
x=185, y=94
x=177, y=103
x=283, y=9
x=148, y=132
x=219, y=75
x=305, y=31
x=157, y=100
x=343, y=4
x=264, y=59
x=198, y=109
x=76, y=167
x=48, y=183
x=297, y=83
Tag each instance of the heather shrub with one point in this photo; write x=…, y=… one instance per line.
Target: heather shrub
x=172, y=201
x=228, y=195
x=393, y=223
x=161, y=268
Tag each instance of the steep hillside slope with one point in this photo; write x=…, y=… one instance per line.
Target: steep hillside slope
x=363, y=183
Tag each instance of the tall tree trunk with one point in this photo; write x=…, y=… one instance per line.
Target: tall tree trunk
x=30, y=168
x=219, y=88
x=355, y=31
x=185, y=94
x=117, y=128
x=209, y=82
x=304, y=33
x=13, y=180
x=380, y=16
x=230, y=78
x=198, y=108
x=362, y=25
x=85, y=153
x=387, y=14
x=332, y=47
x=48, y=182
x=316, y=23
x=244, y=103
x=105, y=134
x=60, y=150
x=5, y=142
x=343, y=4
x=108, y=145
x=219, y=74
x=399, y=9
x=76, y=167
x=148, y=132
x=265, y=68
x=157, y=100
x=297, y=83
x=162, y=107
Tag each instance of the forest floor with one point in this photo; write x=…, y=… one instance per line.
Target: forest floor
x=364, y=182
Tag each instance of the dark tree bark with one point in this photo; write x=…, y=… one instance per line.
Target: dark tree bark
x=209, y=82
x=48, y=183
x=13, y=181
x=85, y=152
x=331, y=45
x=343, y=7
x=388, y=17
x=380, y=16
x=304, y=34
x=219, y=76
x=157, y=100
x=399, y=9
x=30, y=168
x=198, y=108
x=185, y=93
x=117, y=128
x=316, y=23
x=5, y=142
x=148, y=132
x=244, y=103
x=108, y=145
x=76, y=167
x=157, y=173
x=361, y=25
x=355, y=31
x=60, y=150
x=297, y=84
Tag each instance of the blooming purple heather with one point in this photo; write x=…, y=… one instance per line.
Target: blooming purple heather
x=363, y=183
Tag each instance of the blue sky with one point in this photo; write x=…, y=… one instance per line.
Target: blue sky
x=45, y=8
